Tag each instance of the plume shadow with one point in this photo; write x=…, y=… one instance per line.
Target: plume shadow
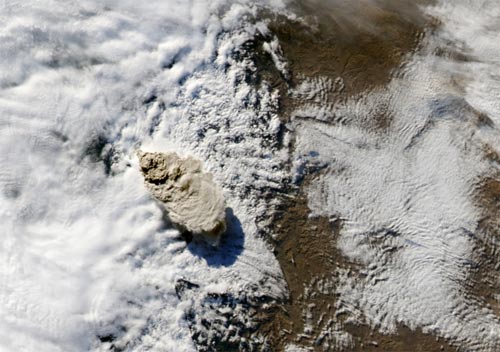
x=230, y=247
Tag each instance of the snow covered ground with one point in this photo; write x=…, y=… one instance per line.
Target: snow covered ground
x=406, y=193
x=86, y=258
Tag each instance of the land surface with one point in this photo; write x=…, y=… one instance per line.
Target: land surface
x=365, y=58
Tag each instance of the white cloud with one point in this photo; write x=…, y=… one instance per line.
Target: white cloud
x=83, y=85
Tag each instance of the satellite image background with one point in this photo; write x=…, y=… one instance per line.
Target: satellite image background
x=356, y=145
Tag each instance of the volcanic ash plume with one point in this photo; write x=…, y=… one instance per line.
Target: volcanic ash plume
x=192, y=199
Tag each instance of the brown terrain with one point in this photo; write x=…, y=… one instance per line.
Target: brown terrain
x=485, y=280
x=365, y=57
x=306, y=250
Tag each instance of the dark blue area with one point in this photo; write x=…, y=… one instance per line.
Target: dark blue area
x=449, y=107
x=230, y=246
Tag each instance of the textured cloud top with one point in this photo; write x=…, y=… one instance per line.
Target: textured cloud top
x=86, y=260
x=193, y=201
